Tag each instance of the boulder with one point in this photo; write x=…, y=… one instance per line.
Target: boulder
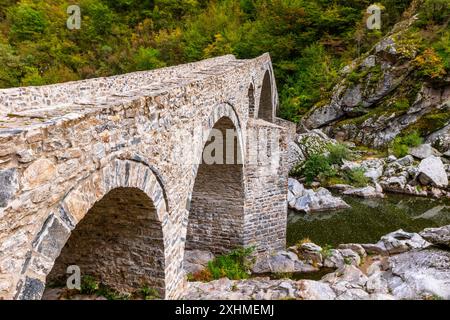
x=373, y=168
x=347, y=275
x=196, y=260
x=315, y=290
x=391, y=158
x=333, y=259
x=400, y=241
x=350, y=257
x=374, y=248
x=420, y=274
x=311, y=253
x=405, y=161
x=198, y=256
x=295, y=187
x=437, y=236
x=431, y=171
x=377, y=283
x=281, y=262
x=366, y=192
x=355, y=247
x=291, y=199
x=192, y=268
x=321, y=200
x=424, y=151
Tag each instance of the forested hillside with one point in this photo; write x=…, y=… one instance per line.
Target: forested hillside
x=309, y=40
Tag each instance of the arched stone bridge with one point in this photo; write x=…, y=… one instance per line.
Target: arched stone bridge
x=107, y=174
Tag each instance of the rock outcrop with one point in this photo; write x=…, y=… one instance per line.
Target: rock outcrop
x=431, y=171
x=308, y=200
x=382, y=94
x=437, y=236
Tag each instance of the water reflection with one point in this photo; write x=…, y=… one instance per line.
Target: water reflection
x=368, y=219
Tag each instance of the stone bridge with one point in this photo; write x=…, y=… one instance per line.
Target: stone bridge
x=109, y=174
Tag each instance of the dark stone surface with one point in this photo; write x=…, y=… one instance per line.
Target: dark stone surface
x=54, y=239
x=8, y=186
x=32, y=289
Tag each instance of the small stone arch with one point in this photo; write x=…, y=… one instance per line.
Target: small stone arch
x=266, y=105
x=124, y=194
x=216, y=203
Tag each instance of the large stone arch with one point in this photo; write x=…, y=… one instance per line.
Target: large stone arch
x=82, y=208
x=266, y=108
x=215, y=219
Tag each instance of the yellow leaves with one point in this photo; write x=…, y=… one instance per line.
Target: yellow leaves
x=430, y=64
x=220, y=46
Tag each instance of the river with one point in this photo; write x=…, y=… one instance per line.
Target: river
x=368, y=219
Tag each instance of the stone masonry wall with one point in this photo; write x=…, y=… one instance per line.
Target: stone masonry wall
x=64, y=147
x=119, y=242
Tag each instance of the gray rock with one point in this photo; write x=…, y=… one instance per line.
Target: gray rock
x=281, y=262
x=424, y=151
x=8, y=186
x=350, y=257
x=347, y=274
x=391, y=158
x=437, y=236
x=366, y=192
x=431, y=171
x=419, y=274
x=353, y=294
x=315, y=290
x=319, y=201
x=355, y=247
x=334, y=259
x=192, y=268
x=376, y=283
x=400, y=241
x=405, y=161
x=311, y=253
x=291, y=199
x=377, y=248
x=198, y=256
x=380, y=296
x=295, y=187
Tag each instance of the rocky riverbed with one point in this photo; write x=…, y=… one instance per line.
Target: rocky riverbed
x=401, y=265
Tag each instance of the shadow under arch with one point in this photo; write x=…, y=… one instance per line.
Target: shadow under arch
x=110, y=225
x=216, y=210
x=266, y=107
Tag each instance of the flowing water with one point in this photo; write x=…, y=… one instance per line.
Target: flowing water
x=368, y=219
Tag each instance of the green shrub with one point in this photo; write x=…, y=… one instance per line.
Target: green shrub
x=26, y=22
x=338, y=152
x=317, y=166
x=89, y=285
x=234, y=265
x=435, y=10
x=149, y=293
x=401, y=104
x=357, y=178
x=147, y=59
x=412, y=139
x=399, y=150
x=400, y=146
